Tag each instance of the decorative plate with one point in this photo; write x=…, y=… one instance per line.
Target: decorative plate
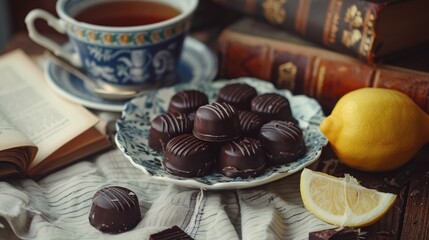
x=133, y=129
x=197, y=64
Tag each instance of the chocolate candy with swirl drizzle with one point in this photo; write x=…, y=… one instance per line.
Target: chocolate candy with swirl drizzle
x=283, y=141
x=187, y=156
x=187, y=101
x=272, y=106
x=114, y=210
x=243, y=158
x=238, y=95
x=250, y=123
x=166, y=126
x=216, y=122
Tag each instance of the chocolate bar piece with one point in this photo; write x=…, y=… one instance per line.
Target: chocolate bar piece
x=173, y=233
x=340, y=233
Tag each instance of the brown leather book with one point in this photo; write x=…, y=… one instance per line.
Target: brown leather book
x=368, y=30
x=255, y=49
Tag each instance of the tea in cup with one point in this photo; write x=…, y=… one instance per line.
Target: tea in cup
x=130, y=44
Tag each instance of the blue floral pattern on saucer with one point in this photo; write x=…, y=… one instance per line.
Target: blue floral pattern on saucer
x=134, y=124
x=197, y=64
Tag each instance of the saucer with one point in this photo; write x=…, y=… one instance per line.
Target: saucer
x=197, y=64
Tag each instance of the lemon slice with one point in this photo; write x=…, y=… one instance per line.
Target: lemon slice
x=342, y=201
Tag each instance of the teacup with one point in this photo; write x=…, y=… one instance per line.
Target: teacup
x=127, y=44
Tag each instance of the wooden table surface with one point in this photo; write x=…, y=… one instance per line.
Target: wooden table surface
x=408, y=219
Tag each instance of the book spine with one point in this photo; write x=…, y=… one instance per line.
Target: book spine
x=321, y=74
x=344, y=26
x=413, y=83
x=333, y=78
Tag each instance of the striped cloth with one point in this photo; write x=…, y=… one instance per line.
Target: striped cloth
x=57, y=207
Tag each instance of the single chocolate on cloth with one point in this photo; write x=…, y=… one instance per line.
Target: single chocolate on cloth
x=114, y=210
x=283, y=141
x=250, y=123
x=339, y=233
x=187, y=156
x=173, y=233
x=166, y=126
x=272, y=106
x=187, y=101
x=243, y=158
x=216, y=122
x=239, y=95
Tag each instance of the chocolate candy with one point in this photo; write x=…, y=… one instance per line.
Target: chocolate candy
x=187, y=156
x=238, y=95
x=191, y=116
x=250, y=123
x=216, y=122
x=173, y=233
x=166, y=126
x=243, y=158
x=187, y=101
x=271, y=106
x=114, y=209
x=283, y=141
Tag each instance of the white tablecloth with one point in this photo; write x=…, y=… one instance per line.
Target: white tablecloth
x=57, y=206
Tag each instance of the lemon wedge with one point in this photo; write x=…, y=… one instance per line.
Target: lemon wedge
x=342, y=201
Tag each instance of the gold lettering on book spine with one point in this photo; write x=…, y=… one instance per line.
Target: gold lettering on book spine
x=274, y=11
x=368, y=35
x=353, y=34
x=287, y=76
x=301, y=17
x=320, y=81
x=331, y=22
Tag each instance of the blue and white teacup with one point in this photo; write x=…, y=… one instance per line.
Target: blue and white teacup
x=128, y=57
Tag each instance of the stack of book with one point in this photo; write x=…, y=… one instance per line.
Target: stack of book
x=327, y=48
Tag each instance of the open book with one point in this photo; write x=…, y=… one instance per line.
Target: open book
x=40, y=131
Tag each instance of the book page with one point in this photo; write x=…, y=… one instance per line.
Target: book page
x=86, y=142
x=44, y=117
x=16, y=150
x=10, y=136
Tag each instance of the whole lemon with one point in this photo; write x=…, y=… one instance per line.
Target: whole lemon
x=376, y=129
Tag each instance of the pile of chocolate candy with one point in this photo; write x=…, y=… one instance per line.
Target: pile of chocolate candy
x=239, y=134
